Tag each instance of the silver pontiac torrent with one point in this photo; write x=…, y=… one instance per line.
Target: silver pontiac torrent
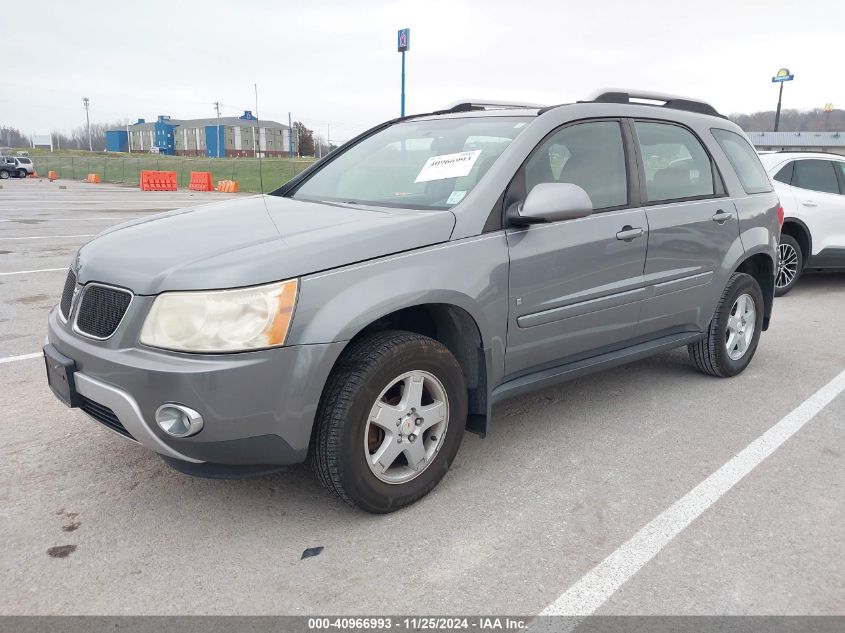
x=368, y=312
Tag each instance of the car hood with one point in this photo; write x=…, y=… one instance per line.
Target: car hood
x=250, y=241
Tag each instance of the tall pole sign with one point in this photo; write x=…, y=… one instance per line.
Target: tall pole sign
x=404, y=45
x=782, y=75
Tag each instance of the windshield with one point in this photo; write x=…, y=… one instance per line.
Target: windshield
x=415, y=164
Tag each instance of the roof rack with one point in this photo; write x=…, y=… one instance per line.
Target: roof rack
x=466, y=105
x=674, y=102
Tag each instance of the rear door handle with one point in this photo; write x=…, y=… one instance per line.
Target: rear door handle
x=722, y=216
x=809, y=203
x=629, y=233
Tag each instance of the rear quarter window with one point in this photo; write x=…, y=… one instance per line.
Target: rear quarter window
x=744, y=161
x=784, y=174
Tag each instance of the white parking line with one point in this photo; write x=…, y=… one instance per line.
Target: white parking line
x=600, y=583
x=47, y=237
x=12, y=359
x=39, y=270
x=28, y=220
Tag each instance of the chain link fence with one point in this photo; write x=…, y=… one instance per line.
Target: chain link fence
x=273, y=172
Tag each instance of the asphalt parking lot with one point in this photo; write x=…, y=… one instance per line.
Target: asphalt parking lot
x=521, y=524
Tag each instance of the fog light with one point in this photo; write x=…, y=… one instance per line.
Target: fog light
x=178, y=421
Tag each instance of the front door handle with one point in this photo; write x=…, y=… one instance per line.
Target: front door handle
x=629, y=233
x=721, y=217
x=809, y=203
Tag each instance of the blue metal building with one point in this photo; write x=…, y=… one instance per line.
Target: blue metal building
x=117, y=141
x=164, y=135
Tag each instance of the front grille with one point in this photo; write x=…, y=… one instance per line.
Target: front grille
x=104, y=416
x=101, y=310
x=67, y=294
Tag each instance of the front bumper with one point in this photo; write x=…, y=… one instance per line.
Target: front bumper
x=258, y=407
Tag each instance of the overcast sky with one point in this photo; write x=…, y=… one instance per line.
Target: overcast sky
x=336, y=62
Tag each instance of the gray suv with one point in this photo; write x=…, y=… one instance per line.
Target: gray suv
x=368, y=312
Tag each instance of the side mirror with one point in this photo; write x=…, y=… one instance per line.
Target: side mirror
x=551, y=202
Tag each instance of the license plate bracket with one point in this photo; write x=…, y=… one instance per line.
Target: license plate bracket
x=60, y=370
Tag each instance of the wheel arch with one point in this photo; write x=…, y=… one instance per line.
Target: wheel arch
x=799, y=230
x=454, y=327
x=761, y=266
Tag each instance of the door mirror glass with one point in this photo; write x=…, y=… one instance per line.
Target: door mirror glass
x=551, y=202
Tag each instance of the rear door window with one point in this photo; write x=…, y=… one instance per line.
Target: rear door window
x=815, y=175
x=744, y=160
x=676, y=164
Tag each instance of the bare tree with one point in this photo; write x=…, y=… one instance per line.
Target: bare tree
x=306, y=138
x=13, y=137
x=816, y=120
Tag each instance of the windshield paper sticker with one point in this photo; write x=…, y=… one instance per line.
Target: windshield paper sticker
x=455, y=197
x=448, y=166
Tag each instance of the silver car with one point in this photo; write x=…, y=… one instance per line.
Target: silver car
x=368, y=312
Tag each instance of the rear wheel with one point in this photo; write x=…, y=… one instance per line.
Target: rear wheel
x=22, y=173
x=790, y=264
x=390, y=421
x=4, y=174
x=734, y=331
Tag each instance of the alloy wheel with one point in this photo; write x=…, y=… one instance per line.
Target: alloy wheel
x=406, y=427
x=787, y=265
x=741, y=323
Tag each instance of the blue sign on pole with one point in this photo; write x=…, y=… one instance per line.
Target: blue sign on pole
x=404, y=40
x=783, y=75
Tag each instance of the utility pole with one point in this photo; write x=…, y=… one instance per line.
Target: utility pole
x=217, y=109
x=255, y=146
x=85, y=102
x=328, y=137
x=290, y=136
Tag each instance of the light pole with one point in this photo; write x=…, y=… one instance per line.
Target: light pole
x=782, y=75
x=217, y=109
x=85, y=102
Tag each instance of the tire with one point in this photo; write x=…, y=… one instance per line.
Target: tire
x=22, y=173
x=711, y=354
x=346, y=438
x=790, y=265
x=4, y=174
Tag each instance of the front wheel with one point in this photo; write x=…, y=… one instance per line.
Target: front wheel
x=4, y=175
x=390, y=420
x=734, y=331
x=790, y=264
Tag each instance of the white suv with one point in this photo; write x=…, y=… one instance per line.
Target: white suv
x=25, y=166
x=811, y=188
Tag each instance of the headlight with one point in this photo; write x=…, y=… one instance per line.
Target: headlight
x=221, y=320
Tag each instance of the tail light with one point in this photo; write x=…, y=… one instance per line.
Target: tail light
x=780, y=216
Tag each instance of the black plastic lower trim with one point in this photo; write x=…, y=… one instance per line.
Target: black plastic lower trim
x=220, y=471
x=555, y=375
x=828, y=258
x=245, y=451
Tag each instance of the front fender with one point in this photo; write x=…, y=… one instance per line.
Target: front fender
x=471, y=274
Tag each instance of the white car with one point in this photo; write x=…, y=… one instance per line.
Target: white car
x=811, y=188
x=25, y=166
